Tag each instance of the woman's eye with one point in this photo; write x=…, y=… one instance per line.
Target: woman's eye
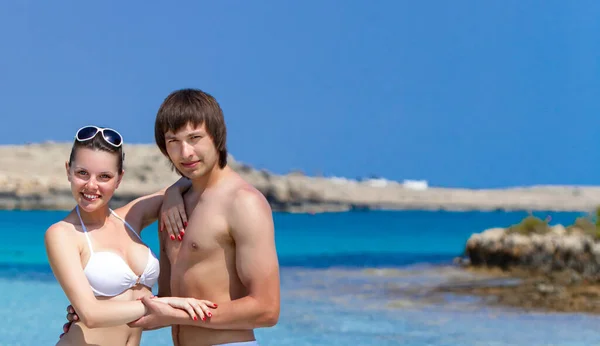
x=82, y=173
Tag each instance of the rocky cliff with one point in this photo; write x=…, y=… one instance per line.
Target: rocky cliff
x=33, y=177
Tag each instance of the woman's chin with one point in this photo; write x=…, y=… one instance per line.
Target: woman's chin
x=90, y=206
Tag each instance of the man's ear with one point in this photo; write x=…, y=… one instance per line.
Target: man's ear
x=68, y=169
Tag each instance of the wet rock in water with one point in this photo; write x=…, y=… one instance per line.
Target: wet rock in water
x=559, y=267
x=554, y=250
x=545, y=288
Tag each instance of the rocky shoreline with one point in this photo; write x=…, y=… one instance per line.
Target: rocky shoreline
x=535, y=245
x=553, y=267
x=32, y=176
x=556, y=292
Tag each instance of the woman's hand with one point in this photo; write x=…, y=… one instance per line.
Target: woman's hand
x=173, y=216
x=196, y=308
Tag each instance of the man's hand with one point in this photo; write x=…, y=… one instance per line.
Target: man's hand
x=157, y=316
x=71, y=317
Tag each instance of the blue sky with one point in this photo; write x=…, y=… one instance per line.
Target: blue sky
x=468, y=93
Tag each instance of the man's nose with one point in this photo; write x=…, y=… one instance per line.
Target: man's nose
x=187, y=150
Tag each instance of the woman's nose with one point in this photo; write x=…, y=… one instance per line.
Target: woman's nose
x=91, y=184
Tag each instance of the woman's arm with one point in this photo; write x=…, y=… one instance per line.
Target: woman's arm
x=63, y=256
x=167, y=203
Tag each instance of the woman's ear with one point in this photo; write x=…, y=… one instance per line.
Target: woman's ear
x=120, y=178
x=68, y=169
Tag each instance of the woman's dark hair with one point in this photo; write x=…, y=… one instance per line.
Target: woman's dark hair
x=98, y=143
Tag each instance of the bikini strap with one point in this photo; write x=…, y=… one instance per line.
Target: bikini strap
x=126, y=224
x=85, y=230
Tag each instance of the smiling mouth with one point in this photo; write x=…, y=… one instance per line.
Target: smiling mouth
x=90, y=196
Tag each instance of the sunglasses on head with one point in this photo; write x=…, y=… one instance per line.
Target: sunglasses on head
x=111, y=136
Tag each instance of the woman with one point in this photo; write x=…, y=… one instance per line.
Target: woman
x=97, y=254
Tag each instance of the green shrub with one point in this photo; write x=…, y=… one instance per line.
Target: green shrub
x=529, y=225
x=586, y=224
x=589, y=224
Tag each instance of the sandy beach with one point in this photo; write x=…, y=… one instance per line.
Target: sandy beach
x=33, y=177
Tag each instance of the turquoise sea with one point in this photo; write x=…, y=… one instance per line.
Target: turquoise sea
x=340, y=272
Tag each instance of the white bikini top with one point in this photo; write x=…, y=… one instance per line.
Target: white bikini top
x=108, y=273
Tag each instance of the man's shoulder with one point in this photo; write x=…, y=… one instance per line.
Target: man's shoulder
x=240, y=191
x=247, y=196
x=244, y=199
x=249, y=212
x=238, y=197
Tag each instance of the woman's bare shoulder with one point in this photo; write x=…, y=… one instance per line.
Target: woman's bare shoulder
x=62, y=228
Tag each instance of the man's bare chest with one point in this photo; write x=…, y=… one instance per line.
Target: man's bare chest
x=204, y=234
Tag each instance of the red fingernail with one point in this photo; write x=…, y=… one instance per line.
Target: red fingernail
x=182, y=233
x=203, y=318
x=179, y=237
x=215, y=305
x=172, y=237
x=185, y=224
x=209, y=314
x=195, y=318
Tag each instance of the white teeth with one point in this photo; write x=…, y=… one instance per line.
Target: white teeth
x=91, y=197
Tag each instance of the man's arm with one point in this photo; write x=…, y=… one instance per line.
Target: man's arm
x=257, y=266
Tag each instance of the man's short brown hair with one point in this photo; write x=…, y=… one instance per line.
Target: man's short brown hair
x=191, y=106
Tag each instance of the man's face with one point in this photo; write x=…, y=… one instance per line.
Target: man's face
x=192, y=150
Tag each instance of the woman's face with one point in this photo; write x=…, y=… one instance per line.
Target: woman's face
x=94, y=177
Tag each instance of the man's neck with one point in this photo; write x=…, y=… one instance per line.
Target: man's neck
x=210, y=179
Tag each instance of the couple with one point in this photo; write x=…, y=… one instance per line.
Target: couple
x=217, y=271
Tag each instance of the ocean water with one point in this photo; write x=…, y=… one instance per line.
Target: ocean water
x=339, y=273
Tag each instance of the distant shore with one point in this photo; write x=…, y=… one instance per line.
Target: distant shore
x=33, y=176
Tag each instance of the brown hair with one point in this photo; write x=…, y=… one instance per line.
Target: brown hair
x=98, y=143
x=196, y=107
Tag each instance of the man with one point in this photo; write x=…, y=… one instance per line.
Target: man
x=227, y=254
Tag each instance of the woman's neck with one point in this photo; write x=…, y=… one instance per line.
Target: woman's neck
x=95, y=218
